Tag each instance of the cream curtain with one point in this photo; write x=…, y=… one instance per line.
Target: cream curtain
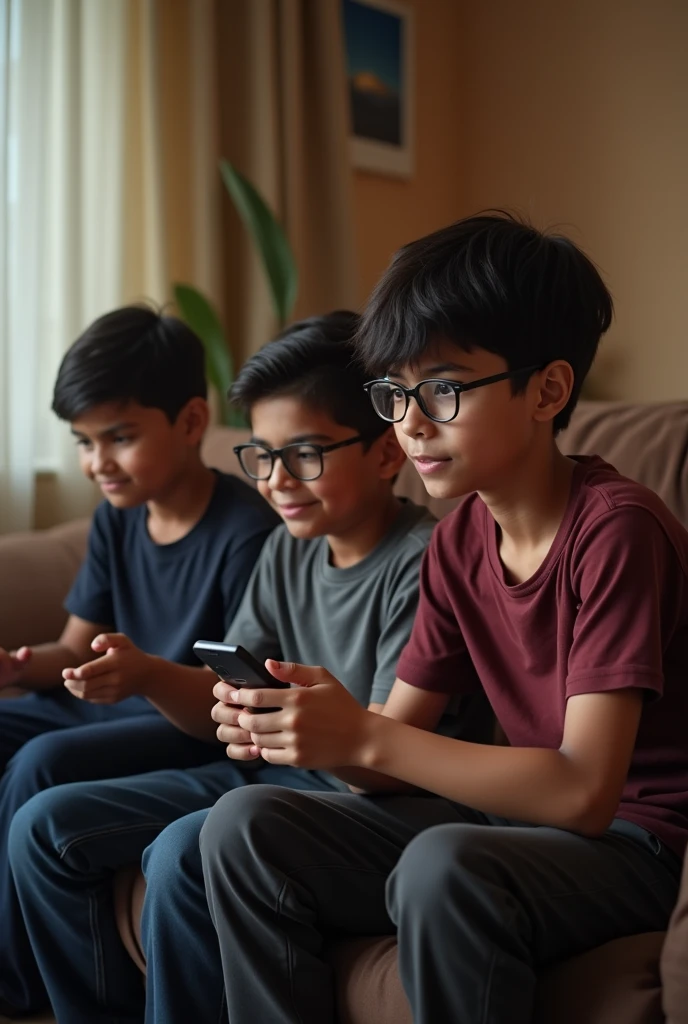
x=60, y=225
x=261, y=82
x=114, y=114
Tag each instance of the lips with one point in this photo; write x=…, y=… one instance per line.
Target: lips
x=112, y=485
x=429, y=464
x=293, y=511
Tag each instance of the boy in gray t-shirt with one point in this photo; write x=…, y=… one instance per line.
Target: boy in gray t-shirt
x=336, y=585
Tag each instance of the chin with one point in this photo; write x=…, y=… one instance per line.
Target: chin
x=447, y=490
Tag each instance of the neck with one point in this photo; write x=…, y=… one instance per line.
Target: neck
x=172, y=515
x=530, y=505
x=362, y=537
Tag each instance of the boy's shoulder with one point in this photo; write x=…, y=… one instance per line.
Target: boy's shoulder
x=601, y=501
x=236, y=511
x=406, y=540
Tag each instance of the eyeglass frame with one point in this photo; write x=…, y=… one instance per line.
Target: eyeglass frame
x=276, y=453
x=458, y=389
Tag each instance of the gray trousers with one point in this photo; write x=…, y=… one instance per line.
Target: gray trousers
x=478, y=903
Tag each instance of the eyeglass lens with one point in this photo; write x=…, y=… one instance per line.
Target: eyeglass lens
x=301, y=460
x=390, y=401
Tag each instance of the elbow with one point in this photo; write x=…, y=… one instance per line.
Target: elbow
x=589, y=814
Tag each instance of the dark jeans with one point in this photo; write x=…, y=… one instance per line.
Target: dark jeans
x=478, y=903
x=65, y=845
x=51, y=738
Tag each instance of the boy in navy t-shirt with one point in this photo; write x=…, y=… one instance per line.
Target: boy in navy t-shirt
x=170, y=552
x=558, y=588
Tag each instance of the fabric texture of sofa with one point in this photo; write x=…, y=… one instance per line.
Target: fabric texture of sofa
x=640, y=979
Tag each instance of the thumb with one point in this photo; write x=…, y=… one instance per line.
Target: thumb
x=110, y=641
x=300, y=675
x=23, y=654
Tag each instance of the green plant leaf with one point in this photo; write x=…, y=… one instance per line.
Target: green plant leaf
x=269, y=238
x=201, y=317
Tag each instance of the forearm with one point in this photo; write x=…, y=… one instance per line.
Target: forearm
x=535, y=785
x=365, y=781
x=44, y=670
x=184, y=695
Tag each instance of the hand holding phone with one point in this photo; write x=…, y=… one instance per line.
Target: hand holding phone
x=236, y=665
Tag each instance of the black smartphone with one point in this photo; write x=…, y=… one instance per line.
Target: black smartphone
x=236, y=665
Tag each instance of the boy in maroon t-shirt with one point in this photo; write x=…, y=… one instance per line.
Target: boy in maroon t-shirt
x=561, y=589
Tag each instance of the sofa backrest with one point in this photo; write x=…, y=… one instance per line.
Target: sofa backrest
x=648, y=443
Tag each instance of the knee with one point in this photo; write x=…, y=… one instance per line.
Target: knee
x=32, y=827
x=174, y=856
x=41, y=762
x=243, y=820
x=436, y=864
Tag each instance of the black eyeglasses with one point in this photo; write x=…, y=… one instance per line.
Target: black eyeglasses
x=302, y=461
x=438, y=398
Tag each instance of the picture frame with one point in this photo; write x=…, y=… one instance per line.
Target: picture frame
x=379, y=55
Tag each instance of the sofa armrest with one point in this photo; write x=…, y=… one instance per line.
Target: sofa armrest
x=37, y=569
x=674, y=960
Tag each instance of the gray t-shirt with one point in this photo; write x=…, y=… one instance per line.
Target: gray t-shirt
x=354, y=621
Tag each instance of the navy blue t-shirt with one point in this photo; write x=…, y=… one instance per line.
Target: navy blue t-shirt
x=164, y=597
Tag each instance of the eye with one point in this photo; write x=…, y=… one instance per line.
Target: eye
x=397, y=394
x=121, y=439
x=306, y=455
x=442, y=389
x=83, y=442
x=261, y=455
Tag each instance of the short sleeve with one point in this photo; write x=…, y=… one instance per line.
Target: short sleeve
x=237, y=573
x=255, y=624
x=435, y=657
x=90, y=597
x=629, y=587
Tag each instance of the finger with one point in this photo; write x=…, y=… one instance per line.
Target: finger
x=226, y=714
x=273, y=756
x=222, y=691
x=90, y=687
x=262, y=697
x=301, y=675
x=242, y=752
x=110, y=640
x=272, y=740
x=90, y=669
x=23, y=654
x=232, y=734
x=271, y=722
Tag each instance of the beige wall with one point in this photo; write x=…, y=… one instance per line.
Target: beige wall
x=576, y=113
x=391, y=212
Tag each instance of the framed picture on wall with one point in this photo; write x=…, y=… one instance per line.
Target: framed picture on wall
x=378, y=37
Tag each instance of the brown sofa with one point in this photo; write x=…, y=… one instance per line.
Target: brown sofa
x=641, y=979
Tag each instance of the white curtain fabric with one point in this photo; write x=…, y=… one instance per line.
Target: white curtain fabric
x=62, y=88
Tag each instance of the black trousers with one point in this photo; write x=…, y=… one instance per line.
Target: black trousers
x=479, y=904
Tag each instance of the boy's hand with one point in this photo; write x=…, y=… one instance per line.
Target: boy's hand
x=120, y=672
x=320, y=725
x=239, y=744
x=12, y=665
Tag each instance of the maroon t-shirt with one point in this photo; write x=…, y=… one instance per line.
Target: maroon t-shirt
x=606, y=610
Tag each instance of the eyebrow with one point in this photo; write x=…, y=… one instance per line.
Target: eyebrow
x=108, y=430
x=297, y=439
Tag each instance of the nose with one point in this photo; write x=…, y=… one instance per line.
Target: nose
x=101, y=462
x=415, y=423
x=279, y=477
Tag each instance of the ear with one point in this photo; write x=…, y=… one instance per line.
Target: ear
x=390, y=454
x=193, y=420
x=553, y=386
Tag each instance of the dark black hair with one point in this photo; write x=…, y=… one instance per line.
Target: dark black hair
x=133, y=354
x=493, y=282
x=314, y=360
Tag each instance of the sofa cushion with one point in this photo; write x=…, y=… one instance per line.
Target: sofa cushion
x=618, y=982
x=37, y=569
x=645, y=442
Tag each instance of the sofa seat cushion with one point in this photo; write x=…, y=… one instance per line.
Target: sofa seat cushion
x=617, y=982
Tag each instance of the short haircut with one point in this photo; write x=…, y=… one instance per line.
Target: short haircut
x=492, y=282
x=133, y=354
x=314, y=360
